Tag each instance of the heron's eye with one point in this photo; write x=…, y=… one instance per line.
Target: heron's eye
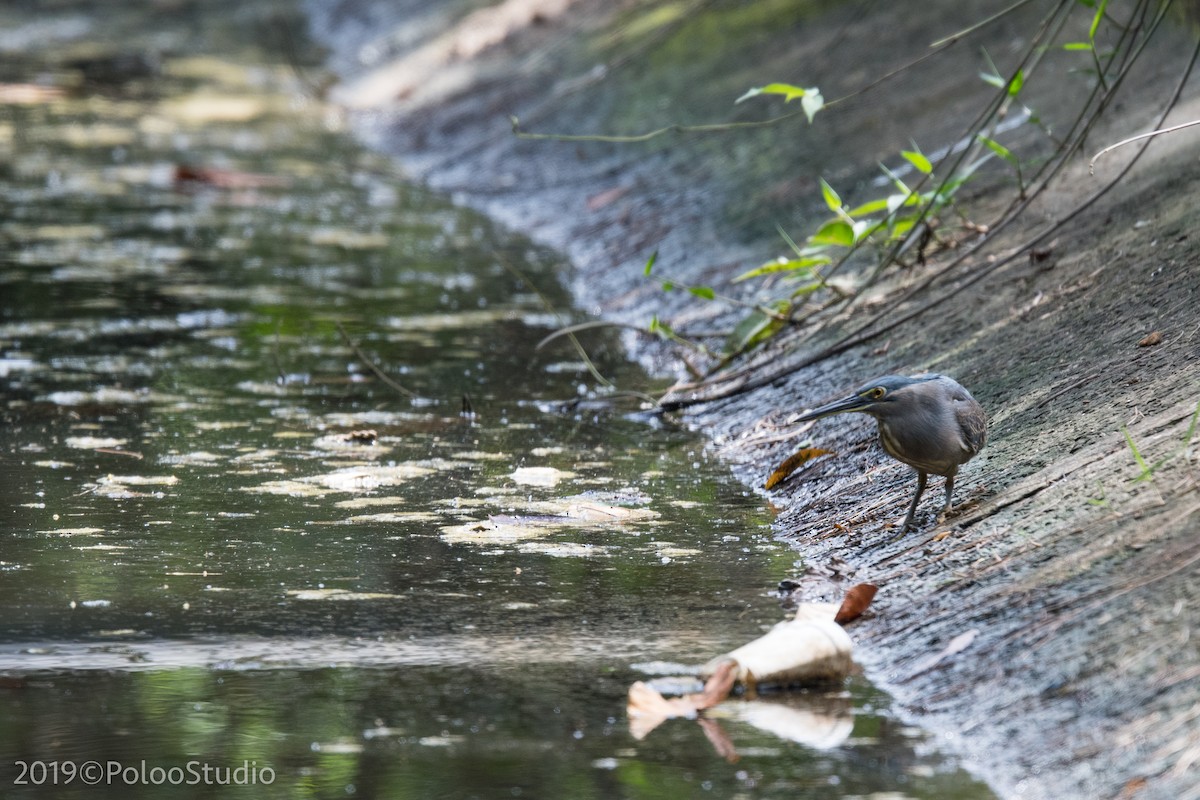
x=877, y=393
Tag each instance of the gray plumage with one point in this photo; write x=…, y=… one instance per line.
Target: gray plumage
x=929, y=422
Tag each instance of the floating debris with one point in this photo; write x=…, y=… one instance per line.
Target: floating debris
x=340, y=594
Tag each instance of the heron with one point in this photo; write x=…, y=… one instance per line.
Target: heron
x=928, y=421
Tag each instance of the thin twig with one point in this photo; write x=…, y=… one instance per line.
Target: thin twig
x=591, y=367
x=371, y=365
x=868, y=330
x=585, y=326
x=723, y=127
x=1123, y=142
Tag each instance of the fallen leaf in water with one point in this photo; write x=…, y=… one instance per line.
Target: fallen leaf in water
x=226, y=178
x=340, y=594
x=856, y=602
x=792, y=463
x=1151, y=339
x=93, y=442
x=540, y=476
x=563, y=549
x=27, y=94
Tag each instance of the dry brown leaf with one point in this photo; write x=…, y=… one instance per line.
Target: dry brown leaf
x=607, y=197
x=719, y=739
x=856, y=602
x=226, y=178
x=647, y=709
x=1151, y=339
x=793, y=463
x=717, y=687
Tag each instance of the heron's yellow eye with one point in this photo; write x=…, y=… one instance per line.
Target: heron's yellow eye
x=877, y=393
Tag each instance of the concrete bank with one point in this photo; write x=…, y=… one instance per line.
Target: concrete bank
x=1072, y=585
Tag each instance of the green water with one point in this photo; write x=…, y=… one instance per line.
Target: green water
x=230, y=543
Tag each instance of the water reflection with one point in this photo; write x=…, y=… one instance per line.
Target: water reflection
x=232, y=536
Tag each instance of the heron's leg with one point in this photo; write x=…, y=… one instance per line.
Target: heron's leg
x=949, y=493
x=908, y=520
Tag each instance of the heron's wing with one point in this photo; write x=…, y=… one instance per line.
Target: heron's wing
x=973, y=424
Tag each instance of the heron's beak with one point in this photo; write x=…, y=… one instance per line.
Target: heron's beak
x=851, y=403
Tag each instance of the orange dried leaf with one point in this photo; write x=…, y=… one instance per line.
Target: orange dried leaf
x=793, y=463
x=719, y=740
x=647, y=708
x=856, y=602
x=717, y=687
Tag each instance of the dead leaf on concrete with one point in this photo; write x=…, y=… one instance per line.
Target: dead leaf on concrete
x=1151, y=339
x=856, y=602
x=607, y=197
x=793, y=463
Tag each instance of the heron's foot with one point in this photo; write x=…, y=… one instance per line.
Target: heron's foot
x=947, y=511
x=908, y=525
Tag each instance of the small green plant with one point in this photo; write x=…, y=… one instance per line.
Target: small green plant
x=901, y=219
x=1101, y=499
x=1089, y=46
x=1148, y=469
x=799, y=289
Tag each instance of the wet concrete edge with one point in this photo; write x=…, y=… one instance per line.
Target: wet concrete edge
x=1055, y=694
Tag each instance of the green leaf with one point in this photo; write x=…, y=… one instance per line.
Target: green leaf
x=918, y=160
x=831, y=197
x=668, y=286
x=899, y=184
x=703, y=292
x=788, y=91
x=901, y=227
x=1099, y=15
x=756, y=328
x=812, y=102
x=802, y=252
x=808, y=288
x=992, y=79
x=1191, y=431
x=1014, y=86
x=836, y=231
x=871, y=207
x=1078, y=46
x=896, y=201
x=998, y=149
x=863, y=228
x=650, y=263
x=783, y=265
x=1147, y=470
